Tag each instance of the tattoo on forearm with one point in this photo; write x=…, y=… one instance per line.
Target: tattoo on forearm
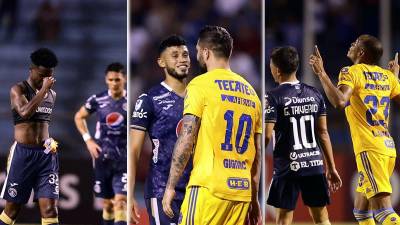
x=183, y=148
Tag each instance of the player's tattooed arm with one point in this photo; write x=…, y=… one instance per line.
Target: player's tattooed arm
x=182, y=152
x=337, y=96
x=183, y=148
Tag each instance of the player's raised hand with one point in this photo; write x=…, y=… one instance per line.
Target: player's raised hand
x=135, y=212
x=94, y=148
x=316, y=62
x=254, y=214
x=48, y=82
x=169, y=195
x=394, y=65
x=334, y=180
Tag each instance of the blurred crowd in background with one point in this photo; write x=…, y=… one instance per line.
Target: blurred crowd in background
x=85, y=35
x=154, y=20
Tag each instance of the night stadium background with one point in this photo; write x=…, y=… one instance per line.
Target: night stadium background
x=333, y=25
x=86, y=36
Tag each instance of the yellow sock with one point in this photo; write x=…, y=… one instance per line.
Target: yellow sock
x=120, y=215
x=387, y=216
x=369, y=221
x=108, y=215
x=50, y=221
x=391, y=219
x=364, y=217
x=5, y=219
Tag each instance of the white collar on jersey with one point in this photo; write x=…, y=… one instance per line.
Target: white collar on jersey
x=166, y=86
x=291, y=83
x=109, y=93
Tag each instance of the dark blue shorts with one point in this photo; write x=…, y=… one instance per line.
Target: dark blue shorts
x=110, y=177
x=30, y=168
x=156, y=212
x=284, y=192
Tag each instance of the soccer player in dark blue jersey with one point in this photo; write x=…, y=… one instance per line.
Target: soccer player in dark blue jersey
x=296, y=112
x=159, y=112
x=108, y=147
x=33, y=159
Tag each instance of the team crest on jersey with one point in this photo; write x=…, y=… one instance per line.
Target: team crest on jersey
x=179, y=127
x=12, y=192
x=114, y=120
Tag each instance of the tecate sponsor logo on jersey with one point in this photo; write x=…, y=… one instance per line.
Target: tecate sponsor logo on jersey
x=114, y=120
x=295, y=100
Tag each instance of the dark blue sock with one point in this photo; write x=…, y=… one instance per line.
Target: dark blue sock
x=108, y=222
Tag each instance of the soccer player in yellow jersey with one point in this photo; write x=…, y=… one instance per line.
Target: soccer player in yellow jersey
x=222, y=129
x=364, y=90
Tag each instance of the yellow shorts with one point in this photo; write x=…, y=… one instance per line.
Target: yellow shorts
x=374, y=171
x=201, y=207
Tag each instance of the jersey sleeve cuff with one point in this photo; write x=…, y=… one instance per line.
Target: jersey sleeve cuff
x=136, y=127
x=191, y=113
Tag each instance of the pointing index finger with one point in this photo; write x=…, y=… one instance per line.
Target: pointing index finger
x=396, y=58
x=317, y=51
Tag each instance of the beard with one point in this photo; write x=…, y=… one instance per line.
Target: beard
x=202, y=65
x=174, y=74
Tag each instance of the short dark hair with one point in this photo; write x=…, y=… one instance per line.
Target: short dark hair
x=286, y=59
x=173, y=40
x=372, y=47
x=44, y=57
x=217, y=39
x=115, y=67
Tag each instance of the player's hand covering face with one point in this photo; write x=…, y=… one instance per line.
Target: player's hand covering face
x=41, y=75
x=176, y=61
x=316, y=62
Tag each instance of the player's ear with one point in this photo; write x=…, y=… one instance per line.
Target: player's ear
x=161, y=62
x=206, y=53
x=278, y=72
x=361, y=53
